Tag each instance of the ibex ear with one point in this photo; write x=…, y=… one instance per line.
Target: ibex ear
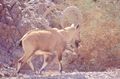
x=77, y=26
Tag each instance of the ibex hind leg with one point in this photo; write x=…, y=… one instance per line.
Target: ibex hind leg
x=19, y=67
x=19, y=64
x=22, y=61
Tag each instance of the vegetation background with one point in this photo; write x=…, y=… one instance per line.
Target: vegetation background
x=100, y=32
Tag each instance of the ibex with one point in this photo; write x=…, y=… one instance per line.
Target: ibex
x=46, y=43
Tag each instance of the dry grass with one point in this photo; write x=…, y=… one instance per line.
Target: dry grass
x=100, y=42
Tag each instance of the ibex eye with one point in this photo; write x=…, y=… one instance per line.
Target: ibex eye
x=77, y=43
x=77, y=26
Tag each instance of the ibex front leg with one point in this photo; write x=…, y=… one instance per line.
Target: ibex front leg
x=59, y=57
x=45, y=63
x=30, y=63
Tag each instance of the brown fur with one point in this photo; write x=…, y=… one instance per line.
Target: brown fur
x=46, y=42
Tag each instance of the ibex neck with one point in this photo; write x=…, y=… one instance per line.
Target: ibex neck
x=64, y=35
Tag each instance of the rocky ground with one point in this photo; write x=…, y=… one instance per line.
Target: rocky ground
x=10, y=73
x=112, y=74
x=81, y=75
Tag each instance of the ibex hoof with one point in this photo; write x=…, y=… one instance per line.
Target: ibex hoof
x=38, y=72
